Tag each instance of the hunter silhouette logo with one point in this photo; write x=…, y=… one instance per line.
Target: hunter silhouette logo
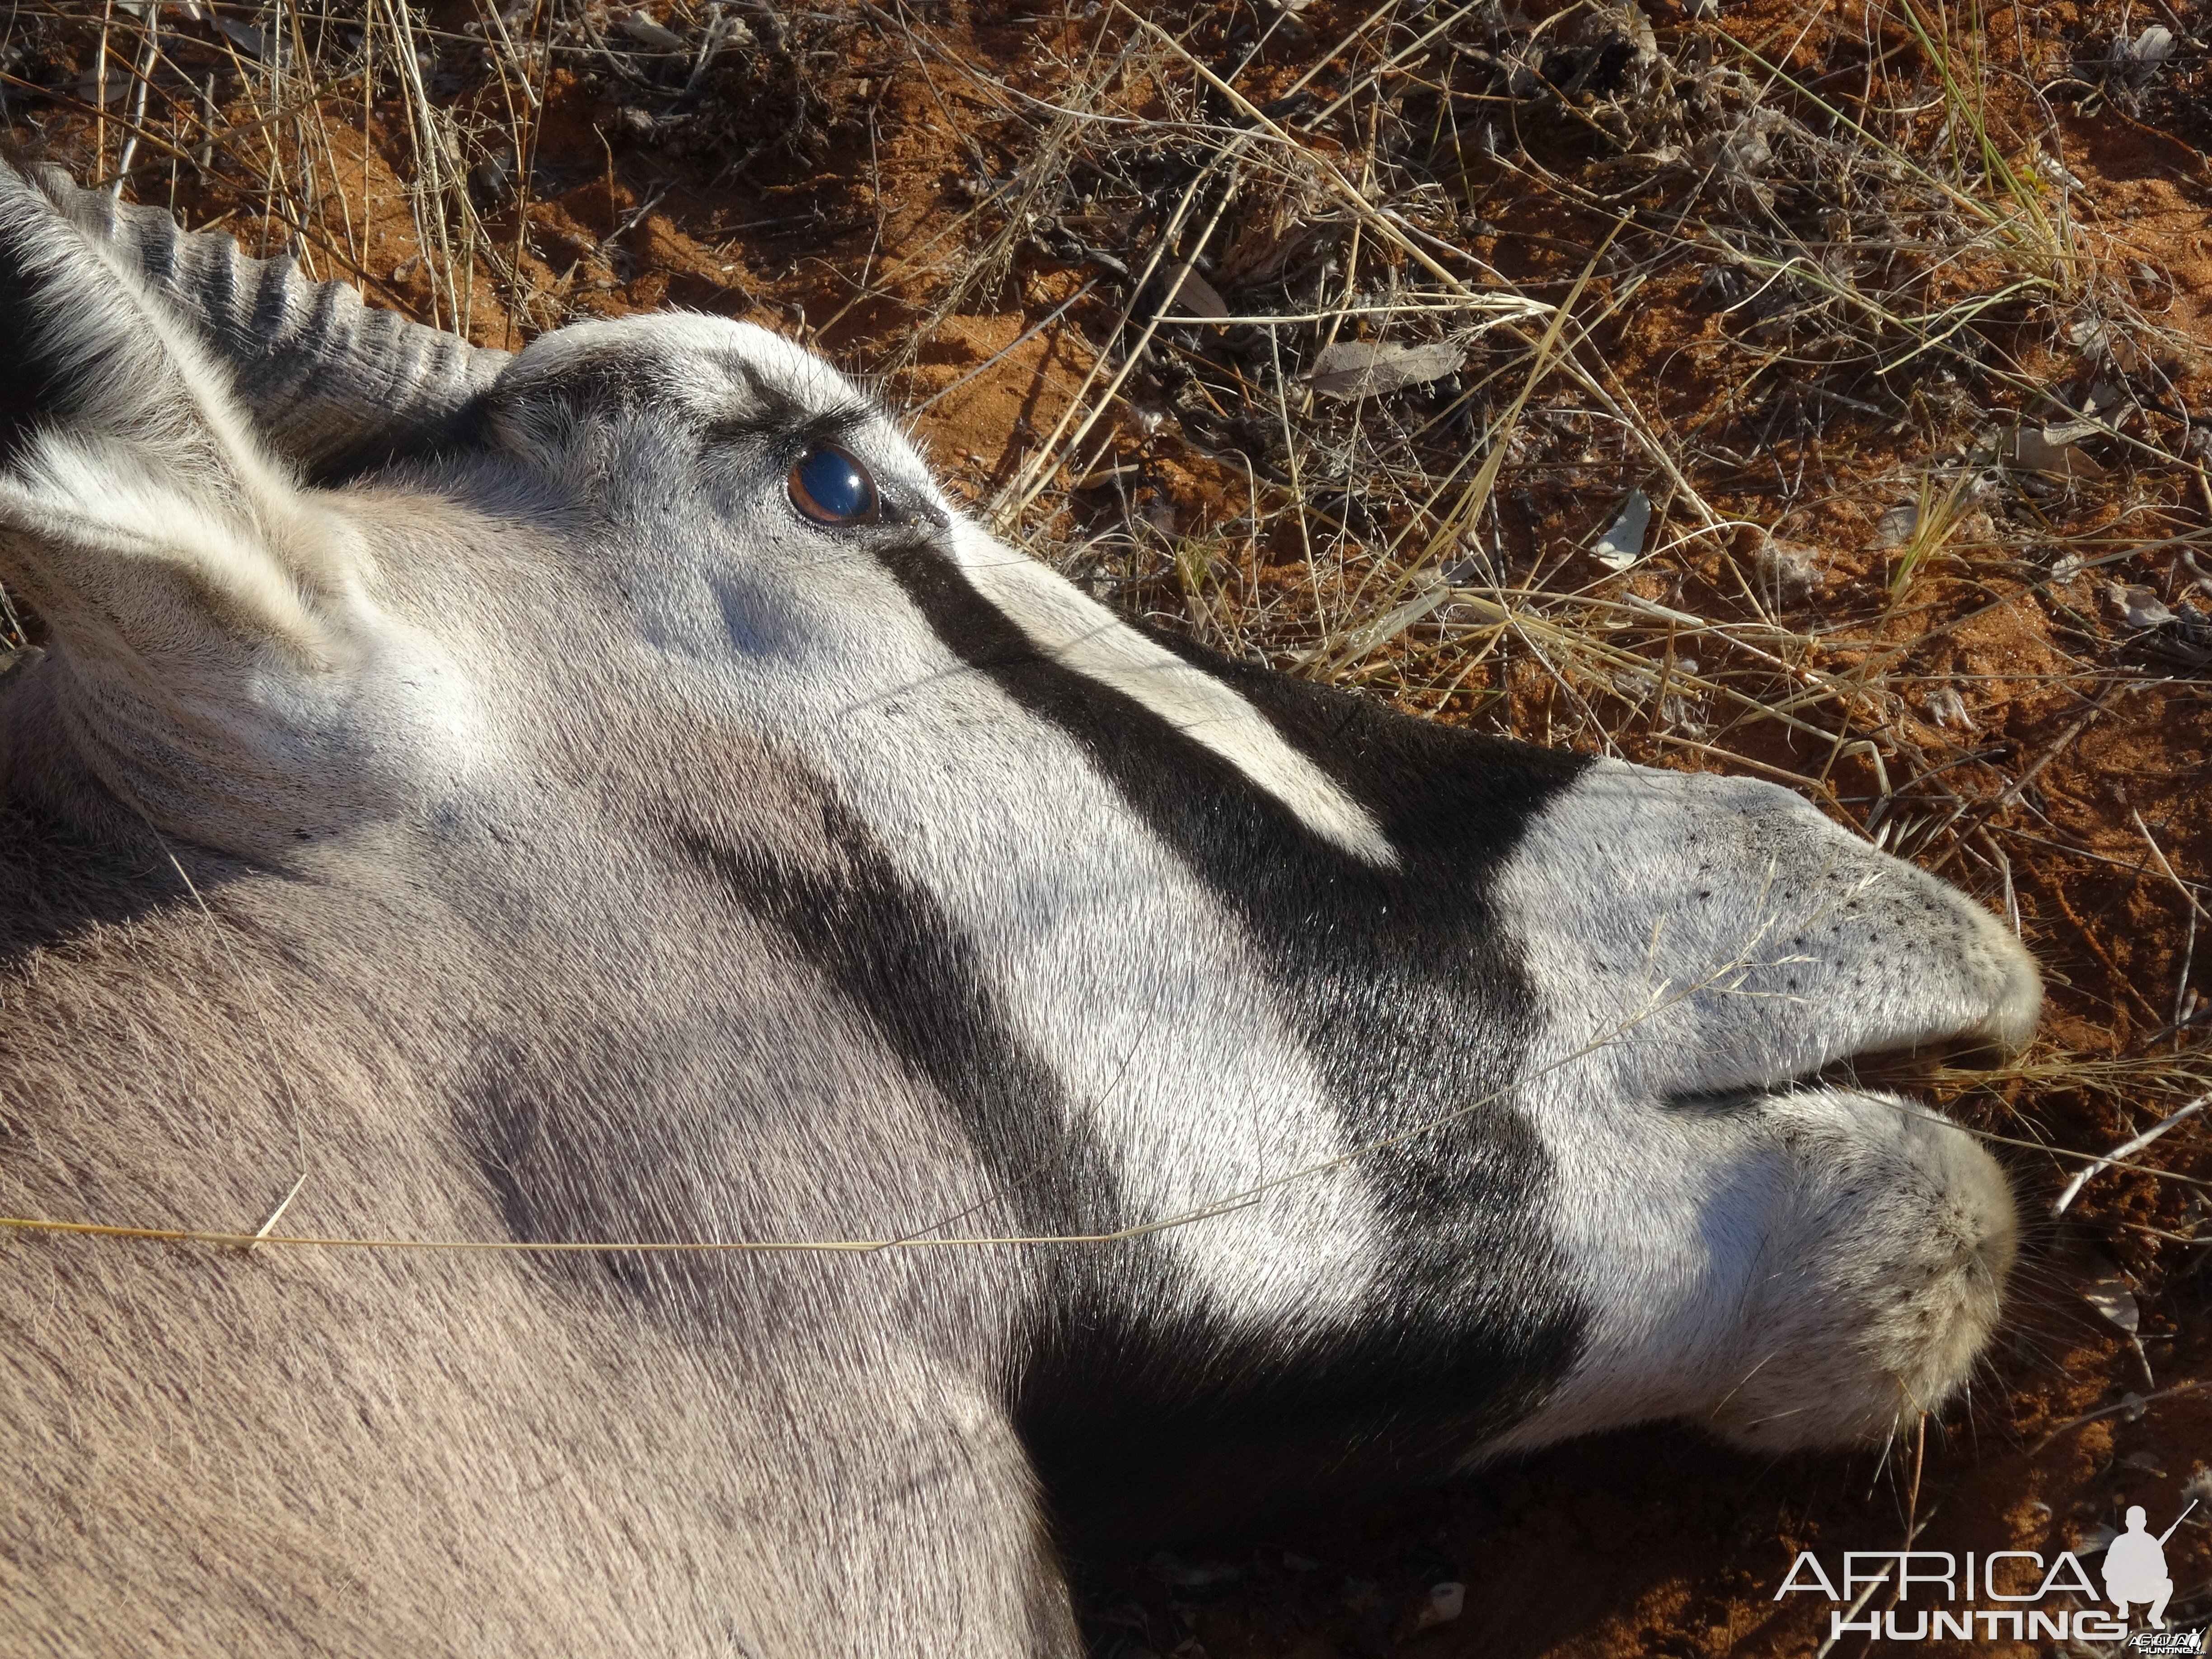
x=2134, y=1567
x=2018, y=1581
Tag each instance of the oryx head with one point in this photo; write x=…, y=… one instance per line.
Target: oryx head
x=1488, y=1089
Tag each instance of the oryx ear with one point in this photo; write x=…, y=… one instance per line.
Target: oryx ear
x=332, y=384
x=191, y=586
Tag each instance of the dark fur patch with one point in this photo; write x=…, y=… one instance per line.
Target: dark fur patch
x=408, y=440
x=1400, y=985
x=889, y=949
x=34, y=393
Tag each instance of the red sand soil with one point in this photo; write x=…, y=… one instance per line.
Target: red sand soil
x=841, y=196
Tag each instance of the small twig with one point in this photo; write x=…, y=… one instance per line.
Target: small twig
x=2011, y=792
x=2133, y=1144
x=277, y=1214
x=2188, y=897
x=2131, y=1405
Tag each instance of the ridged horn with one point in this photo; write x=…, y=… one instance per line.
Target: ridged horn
x=331, y=382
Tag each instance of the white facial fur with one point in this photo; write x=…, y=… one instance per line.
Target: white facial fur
x=1082, y=634
x=1794, y=1266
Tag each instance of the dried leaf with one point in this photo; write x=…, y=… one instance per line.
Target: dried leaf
x=2071, y=431
x=1895, y=527
x=2033, y=448
x=1190, y=295
x=2139, y=607
x=2108, y=1293
x=267, y=48
x=1945, y=704
x=1363, y=369
x=89, y=88
x=2103, y=343
x=1623, y=545
x=642, y=29
x=2147, y=50
x=2057, y=172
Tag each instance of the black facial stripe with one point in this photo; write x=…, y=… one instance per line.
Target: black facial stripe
x=1388, y=976
x=903, y=969
x=890, y=950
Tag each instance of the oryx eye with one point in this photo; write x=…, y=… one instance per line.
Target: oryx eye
x=829, y=486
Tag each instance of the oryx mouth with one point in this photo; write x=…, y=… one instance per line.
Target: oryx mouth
x=1916, y=1070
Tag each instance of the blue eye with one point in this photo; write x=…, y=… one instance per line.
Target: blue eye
x=832, y=486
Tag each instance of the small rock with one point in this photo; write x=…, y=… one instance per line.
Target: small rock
x=1788, y=570
x=1445, y=1603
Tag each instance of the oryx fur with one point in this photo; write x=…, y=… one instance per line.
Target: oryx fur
x=465, y=797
